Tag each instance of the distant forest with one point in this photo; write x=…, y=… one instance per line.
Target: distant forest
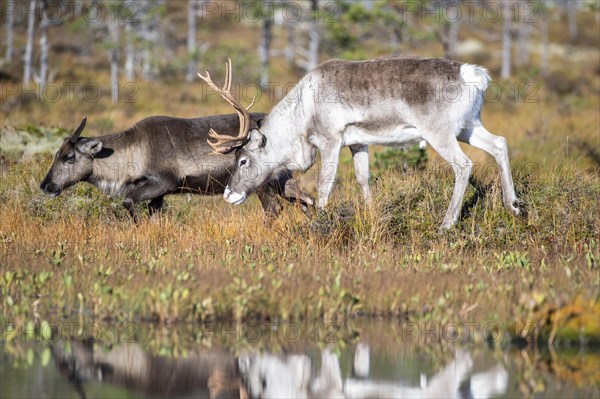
x=164, y=40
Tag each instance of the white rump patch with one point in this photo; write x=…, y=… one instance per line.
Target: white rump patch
x=475, y=75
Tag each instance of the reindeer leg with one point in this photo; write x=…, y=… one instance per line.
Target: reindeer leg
x=268, y=198
x=129, y=204
x=155, y=205
x=330, y=158
x=286, y=186
x=447, y=147
x=293, y=193
x=496, y=146
x=360, y=155
x=152, y=190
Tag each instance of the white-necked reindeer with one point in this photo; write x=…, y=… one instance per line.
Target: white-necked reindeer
x=270, y=376
x=390, y=101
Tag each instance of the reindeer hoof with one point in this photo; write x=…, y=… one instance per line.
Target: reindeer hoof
x=446, y=225
x=516, y=207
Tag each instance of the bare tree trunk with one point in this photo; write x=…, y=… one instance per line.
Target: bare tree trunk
x=191, y=41
x=44, y=45
x=151, y=35
x=131, y=22
x=449, y=37
x=114, y=59
x=453, y=38
x=78, y=8
x=10, y=24
x=145, y=33
x=314, y=39
x=572, y=17
x=129, y=52
x=313, y=49
x=146, y=64
x=395, y=40
x=265, y=47
x=290, y=49
x=309, y=55
x=448, y=34
x=506, y=40
x=522, y=57
x=29, y=48
x=545, y=43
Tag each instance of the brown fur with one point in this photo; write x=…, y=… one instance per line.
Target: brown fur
x=410, y=79
x=162, y=155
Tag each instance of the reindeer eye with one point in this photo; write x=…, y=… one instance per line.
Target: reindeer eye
x=70, y=158
x=243, y=162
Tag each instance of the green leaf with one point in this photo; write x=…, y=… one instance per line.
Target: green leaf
x=46, y=355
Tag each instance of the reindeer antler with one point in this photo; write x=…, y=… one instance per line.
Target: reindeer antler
x=75, y=135
x=242, y=112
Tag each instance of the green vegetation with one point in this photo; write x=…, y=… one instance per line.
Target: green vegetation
x=203, y=260
x=79, y=253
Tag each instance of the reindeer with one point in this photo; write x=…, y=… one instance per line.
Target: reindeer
x=161, y=155
x=273, y=376
x=205, y=373
x=218, y=373
x=388, y=101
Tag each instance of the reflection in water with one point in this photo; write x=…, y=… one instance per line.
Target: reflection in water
x=207, y=373
x=270, y=376
x=219, y=374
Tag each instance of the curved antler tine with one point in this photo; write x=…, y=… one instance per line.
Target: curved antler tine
x=218, y=136
x=251, y=103
x=217, y=145
x=224, y=88
x=229, y=74
x=77, y=132
x=243, y=114
x=227, y=83
x=207, y=79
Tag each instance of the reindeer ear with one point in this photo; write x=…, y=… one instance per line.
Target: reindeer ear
x=90, y=147
x=257, y=140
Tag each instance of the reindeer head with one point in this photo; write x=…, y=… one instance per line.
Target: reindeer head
x=252, y=171
x=72, y=162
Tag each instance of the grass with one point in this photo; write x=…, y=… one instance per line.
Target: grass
x=79, y=254
x=204, y=260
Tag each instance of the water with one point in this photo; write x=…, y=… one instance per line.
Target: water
x=368, y=359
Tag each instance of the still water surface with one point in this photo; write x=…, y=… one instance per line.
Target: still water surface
x=265, y=360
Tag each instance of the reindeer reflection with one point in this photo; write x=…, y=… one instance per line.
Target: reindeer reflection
x=271, y=376
x=208, y=373
x=218, y=374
